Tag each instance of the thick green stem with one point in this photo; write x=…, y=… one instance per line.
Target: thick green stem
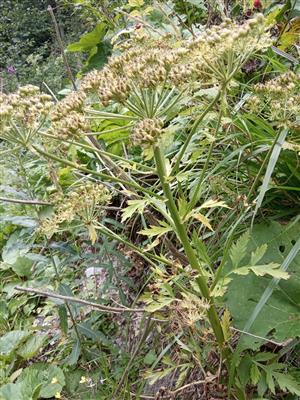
x=185, y=241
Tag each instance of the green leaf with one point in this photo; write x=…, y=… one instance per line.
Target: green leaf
x=287, y=382
x=49, y=376
x=254, y=374
x=32, y=346
x=155, y=231
x=22, y=266
x=258, y=254
x=11, y=341
x=238, y=250
x=63, y=318
x=150, y=358
x=133, y=207
x=75, y=354
x=89, y=40
x=278, y=316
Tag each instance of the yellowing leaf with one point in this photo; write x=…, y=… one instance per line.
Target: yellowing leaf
x=92, y=233
x=291, y=36
x=225, y=323
x=155, y=231
x=136, y=3
x=204, y=220
x=213, y=203
x=150, y=246
x=271, y=269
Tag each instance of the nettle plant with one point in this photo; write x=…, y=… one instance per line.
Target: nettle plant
x=142, y=90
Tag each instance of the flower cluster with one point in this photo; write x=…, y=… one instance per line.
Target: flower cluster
x=83, y=203
x=25, y=109
x=67, y=117
x=147, y=131
x=148, y=63
x=189, y=310
x=279, y=98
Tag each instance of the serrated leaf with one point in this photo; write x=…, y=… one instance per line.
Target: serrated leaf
x=238, y=250
x=133, y=207
x=258, y=254
x=287, y=382
x=92, y=233
x=271, y=269
x=155, y=231
x=279, y=315
x=213, y=203
x=225, y=323
x=204, y=220
x=254, y=374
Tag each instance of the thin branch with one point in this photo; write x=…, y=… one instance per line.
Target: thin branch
x=100, y=307
x=174, y=392
x=61, y=46
x=31, y=202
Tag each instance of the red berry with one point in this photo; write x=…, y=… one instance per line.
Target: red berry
x=257, y=4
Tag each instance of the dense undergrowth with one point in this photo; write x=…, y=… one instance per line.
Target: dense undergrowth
x=150, y=211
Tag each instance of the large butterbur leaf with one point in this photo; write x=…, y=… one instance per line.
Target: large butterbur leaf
x=279, y=316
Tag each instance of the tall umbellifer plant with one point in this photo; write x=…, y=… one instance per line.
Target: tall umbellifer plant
x=143, y=89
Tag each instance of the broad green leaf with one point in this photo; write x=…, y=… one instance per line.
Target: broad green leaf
x=89, y=40
x=19, y=391
x=32, y=346
x=279, y=317
x=238, y=250
x=11, y=341
x=49, y=376
x=22, y=266
x=155, y=231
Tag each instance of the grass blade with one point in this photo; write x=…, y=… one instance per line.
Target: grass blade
x=277, y=146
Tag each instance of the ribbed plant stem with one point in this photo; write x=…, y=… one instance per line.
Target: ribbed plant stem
x=185, y=241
